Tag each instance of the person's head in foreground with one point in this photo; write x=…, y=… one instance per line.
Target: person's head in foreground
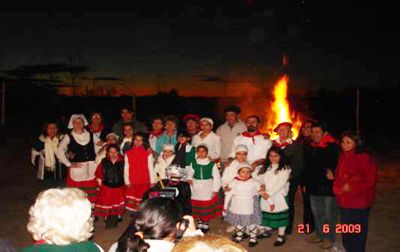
x=208, y=243
x=61, y=217
x=156, y=219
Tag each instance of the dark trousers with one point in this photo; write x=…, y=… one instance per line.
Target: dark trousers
x=308, y=218
x=325, y=212
x=355, y=242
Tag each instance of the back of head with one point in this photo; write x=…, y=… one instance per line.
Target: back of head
x=208, y=243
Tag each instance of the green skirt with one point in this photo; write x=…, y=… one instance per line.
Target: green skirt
x=276, y=220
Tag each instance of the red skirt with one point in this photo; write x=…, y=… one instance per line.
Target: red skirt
x=207, y=210
x=110, y=201
x=89, y=187
x=134, y=195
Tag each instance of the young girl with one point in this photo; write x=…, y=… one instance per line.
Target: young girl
x=205, y=183
x=231, y=171
x=111, y=197
x=126, y=141
x=138, y=172
x=111, y=138
x=274, y=203
x=165, y=159
x=208, y=137
x=241, y=204
x=184, y=151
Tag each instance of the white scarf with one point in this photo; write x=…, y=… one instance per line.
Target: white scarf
x=50, y=148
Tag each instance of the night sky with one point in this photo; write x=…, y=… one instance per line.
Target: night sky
x=214, y=48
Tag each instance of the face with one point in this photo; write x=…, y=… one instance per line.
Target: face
x=113, y=153
x=231, y=117
x=183, y=139
x=205, y=126
x=128, y=131
x=241, y=156
x=78, y=124
x=138, y=141
x=252, y=124
x=244, y=173
x=191, y=125
x=170, y=126
x=52, y=130
x=126, y=115
x=283, y=132
x=317, y=134
x=348, y=143
x=274, y=157
x=201, y=152
x=111, y=140
x=168, y=153
x=306, y=130
x=96, y=118
x=157, y=125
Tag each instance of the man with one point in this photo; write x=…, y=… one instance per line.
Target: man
x=321, y=157
x=192, y=123
x=295, y=158
x=255, y=142
x=228, y=131
x=127, y=114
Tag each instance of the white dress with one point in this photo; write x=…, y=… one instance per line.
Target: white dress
x=212, y=140
x=241, y=196
x=230, y=172
x=202, y=190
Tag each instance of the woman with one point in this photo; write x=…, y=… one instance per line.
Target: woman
x=157, y=124
x=355, y=188
x=82, y=149
x=60, y=220
x=169, y=136
x=97, y=126
x=43, y=156
x=157, y=226
x=305, y=132
x=208, y=137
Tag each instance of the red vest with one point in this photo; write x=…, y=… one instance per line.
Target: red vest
x=138, y=165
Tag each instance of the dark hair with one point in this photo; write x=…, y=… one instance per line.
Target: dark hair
x=129, y=108
x=356, y=138
x=301, y=137
x=254, y=116
x=155, y=219
x=172, y=118
x=157, y=117
x=130, y=125
x=183, y=132
x=267, y=165
x=112, y=146
x=321, y=125
x=96, y=112
x=45, y=125
x=234, y=109
x=202, y=146
x=145, y=137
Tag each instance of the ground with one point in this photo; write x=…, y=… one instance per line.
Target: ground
x=19, y=187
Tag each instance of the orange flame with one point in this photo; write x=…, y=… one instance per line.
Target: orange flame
x=280, y=110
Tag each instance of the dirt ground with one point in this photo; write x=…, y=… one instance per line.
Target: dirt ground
x=19, y=187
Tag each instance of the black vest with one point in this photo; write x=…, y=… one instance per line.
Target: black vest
x=113, y=174
x=83, y=153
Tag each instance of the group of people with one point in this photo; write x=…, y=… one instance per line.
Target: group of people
x=236, y=172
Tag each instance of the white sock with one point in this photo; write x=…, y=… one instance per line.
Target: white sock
x=239, y=232
x=253, y=232
x=281, y=233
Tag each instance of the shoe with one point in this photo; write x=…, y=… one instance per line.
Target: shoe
x=314, y=239
x=230, y=229
x=264, y=235
x=119, y=219
x=245, y=236
x=326, y=244
x=280, y=243
x=199, y=224
x=253, y=243
x=95, y=218
x=205, y=230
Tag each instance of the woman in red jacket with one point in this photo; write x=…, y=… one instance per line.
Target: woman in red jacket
x=354, y=187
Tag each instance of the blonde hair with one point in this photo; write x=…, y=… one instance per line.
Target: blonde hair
x=61, y=217
x=208, y=243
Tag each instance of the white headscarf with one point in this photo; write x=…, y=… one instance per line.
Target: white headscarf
x=74, y=117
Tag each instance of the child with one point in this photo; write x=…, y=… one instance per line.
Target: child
x=111, y=138
x=111, y=197
x=138, y=172
x=205, y=183
x=165, y=159
x=184, y=151
x=231, y=171
x=174, y=187
x=274, y=204
x=126, y=141
x=241, y=204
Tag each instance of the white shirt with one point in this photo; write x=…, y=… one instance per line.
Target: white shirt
x=241, y=195
x=230, y=172
x=203, y=189
x=228, y=135
x=212, y=140
x=256, y=150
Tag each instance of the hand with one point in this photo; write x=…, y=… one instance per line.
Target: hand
x=329, y=174
x=346, y=187
x=224, y=212
x=190, y=182
x=192, y=226
x=253, y=166
x=262, y=188
x=272, y=207
x=129, y=186
x=99, y=143
x=76, y=165
x=227, y=189
x=265, y=195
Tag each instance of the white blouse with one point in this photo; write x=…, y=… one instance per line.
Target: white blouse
x=212, y=140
